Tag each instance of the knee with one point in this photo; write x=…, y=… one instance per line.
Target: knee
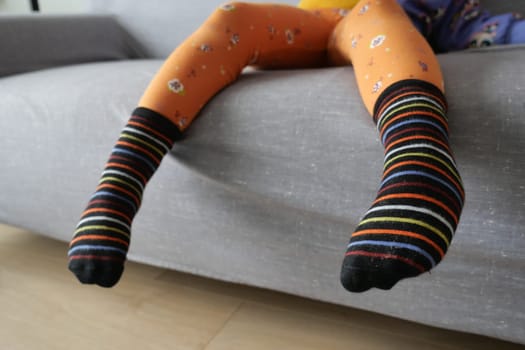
x=234, y=6
x=232, y=13
x=232, y=9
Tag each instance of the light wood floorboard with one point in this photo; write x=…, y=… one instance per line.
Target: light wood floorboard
x=42, y=306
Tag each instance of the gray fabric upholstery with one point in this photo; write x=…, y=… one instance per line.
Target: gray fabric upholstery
x=31, y=42
x=274, y=174
x=265, y=192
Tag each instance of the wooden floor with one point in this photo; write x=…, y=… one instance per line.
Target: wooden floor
x=43, y=307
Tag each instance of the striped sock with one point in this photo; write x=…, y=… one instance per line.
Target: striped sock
x=98, y=249
x=410, y=225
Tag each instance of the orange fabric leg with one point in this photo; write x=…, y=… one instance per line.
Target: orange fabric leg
x=378, y=38
x=401, y=84
x=235, y=36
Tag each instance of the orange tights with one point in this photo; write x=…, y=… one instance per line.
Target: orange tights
x=376, y=37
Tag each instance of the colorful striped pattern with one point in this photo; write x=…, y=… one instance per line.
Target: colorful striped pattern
x=410, y=225
x=98, y=249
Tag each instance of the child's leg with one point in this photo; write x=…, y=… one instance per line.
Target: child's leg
x=412, y=221
x=233, y=37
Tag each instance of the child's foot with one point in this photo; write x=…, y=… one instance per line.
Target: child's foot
x=98, y=249
x=408, y=229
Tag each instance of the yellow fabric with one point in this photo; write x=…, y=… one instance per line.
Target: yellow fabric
x=318, y=4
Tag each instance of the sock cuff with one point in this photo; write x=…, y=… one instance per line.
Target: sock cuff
x=159, y=123
x=409, y=87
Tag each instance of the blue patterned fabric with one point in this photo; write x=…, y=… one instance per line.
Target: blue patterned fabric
x=452, y=25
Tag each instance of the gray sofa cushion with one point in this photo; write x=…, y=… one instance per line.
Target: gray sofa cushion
x=31, y=42
x=273, y=176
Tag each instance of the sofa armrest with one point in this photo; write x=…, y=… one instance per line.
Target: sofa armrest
x=31, y=42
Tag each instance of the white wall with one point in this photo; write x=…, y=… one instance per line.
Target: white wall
x=46, y=6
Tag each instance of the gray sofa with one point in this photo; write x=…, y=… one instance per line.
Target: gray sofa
x=273, y=176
